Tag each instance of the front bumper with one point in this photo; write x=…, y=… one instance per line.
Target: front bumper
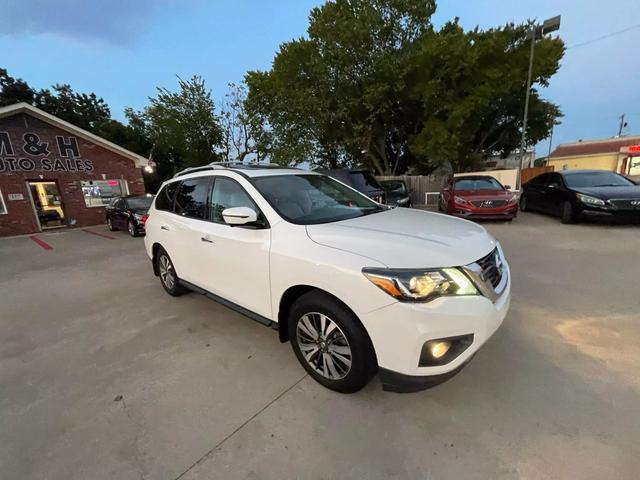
x=399, y=331
x=500, y=213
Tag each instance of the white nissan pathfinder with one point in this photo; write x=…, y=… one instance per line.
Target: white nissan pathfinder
x=356, y=287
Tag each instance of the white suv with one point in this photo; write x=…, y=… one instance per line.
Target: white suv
x=358, y=288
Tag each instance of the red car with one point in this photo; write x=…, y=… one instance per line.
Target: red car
x=478, y=197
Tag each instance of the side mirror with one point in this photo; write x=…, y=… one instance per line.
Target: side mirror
x=239, y=216
x=507, y=187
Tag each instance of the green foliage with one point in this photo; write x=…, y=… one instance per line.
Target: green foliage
x=182, y=125
x=375, y=84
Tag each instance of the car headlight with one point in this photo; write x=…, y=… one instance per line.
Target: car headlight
x=513, y=199
x=460, y=200
x=421, y=285
x=402, y=200
x=589, y=200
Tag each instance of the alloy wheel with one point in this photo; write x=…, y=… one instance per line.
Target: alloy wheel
x=324, y=345
x=132, y=229
x=166, y=272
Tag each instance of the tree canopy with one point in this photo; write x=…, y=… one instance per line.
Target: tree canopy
x=375, y=84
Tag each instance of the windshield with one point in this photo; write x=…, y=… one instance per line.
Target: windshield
x=394, y=186
x=139, y=203
x=596, y=179
x=486, y=183
x=311, y=199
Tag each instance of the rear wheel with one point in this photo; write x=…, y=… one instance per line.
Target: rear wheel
x=168, y=277
x=131, y=228
x=567, y=213
x=523, y=204
x=440, y=204
x=110, y=225
x=331, y=343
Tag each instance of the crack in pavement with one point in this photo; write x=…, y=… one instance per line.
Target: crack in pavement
x=204, y=457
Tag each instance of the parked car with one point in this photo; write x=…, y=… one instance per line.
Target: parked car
x=128, y=213
x=319, y=262
x=478, y=197
x=361, y=180
x=570, y=193
x=396, y=193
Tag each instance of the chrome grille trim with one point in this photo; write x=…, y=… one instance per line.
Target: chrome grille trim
x=489, y=274
x=488, y=203
x=624, y=203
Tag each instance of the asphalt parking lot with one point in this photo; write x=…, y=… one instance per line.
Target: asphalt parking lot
x=103, y=375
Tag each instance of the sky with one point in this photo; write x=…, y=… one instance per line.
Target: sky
x=123, y=49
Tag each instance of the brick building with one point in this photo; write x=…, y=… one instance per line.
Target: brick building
x=56, y=175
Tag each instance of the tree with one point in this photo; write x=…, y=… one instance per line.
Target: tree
x=182, y=125
x=243, y=130
x=374, y=84
x=14, y=90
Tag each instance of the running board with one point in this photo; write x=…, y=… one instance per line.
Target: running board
x=233, y=306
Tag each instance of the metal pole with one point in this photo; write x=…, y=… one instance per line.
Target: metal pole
x=553, y=124
x=621, y=125
x=526, y=103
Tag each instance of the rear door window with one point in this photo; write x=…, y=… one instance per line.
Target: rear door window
x=192, y=198
x=164, y=199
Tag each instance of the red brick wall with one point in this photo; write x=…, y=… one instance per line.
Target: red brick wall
x=109, y=165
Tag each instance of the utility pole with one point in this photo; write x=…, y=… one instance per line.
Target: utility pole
x=553, y=124
x=622, y=125
x=548, y=26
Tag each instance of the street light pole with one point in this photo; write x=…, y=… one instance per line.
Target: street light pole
x=549, y=25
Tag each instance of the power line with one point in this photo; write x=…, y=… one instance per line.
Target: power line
x=597, y=39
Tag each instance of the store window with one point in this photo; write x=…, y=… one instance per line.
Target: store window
x=99, y=193
x=3, y=207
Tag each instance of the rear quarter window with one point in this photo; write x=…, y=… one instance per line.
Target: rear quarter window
x=166, y=196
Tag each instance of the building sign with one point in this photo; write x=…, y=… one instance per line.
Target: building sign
x=34, y=154
x=15, y=196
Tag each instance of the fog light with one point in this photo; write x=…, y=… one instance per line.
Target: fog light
x=439, y=349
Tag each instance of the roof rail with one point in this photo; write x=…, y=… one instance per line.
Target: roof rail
x=211, y=166
x=228, y=164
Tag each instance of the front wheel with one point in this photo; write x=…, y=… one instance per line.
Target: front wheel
x=110, y=225
x=331, y=343
x=523, y=204
x=167, y=273
x=567, y=213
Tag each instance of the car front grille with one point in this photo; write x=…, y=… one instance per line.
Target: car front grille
x=491, y=270
x=626, y=203
x=488, y=203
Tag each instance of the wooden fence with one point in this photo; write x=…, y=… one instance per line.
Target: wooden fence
x=420, y=185
x=528, y=173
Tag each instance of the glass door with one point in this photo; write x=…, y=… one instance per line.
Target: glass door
x=48, y=204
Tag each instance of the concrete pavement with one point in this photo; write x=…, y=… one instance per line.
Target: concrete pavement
x=103, y=375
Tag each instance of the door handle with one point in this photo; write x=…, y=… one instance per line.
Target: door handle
x=206, y=240
x=164, y=227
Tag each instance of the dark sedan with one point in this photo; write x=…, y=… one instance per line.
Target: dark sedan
x=361, y=180
x=128, y=213
x=396, y=192
x=570, y=193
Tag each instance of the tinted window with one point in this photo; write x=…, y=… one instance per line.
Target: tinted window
x=191, y=200
x=119, y=204
x=139, y=203
x=364, y=181
x=540, y=179
x=311, y=199
x=164, y=199
x=394, y=186
x=554, y=180
x=228, y=193
x=596, y=179
x=486, y=183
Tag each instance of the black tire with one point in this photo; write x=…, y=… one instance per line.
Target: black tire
x=131, y=228
x=567, y=213
x=523, y=204
x=440, y=206
x=110, y=225
x=363, y=360
x=170, y=282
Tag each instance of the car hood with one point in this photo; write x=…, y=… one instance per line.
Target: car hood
x=483, y=194
x=605, y=193
x=407, y=238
